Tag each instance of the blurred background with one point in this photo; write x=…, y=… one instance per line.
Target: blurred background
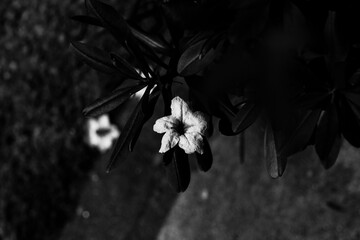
x=53, y=185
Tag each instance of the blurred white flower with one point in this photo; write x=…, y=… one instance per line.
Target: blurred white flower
x=101, y=133
x=182, y=127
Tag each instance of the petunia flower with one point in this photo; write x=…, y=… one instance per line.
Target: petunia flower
x=182, y=127
x=101, y=133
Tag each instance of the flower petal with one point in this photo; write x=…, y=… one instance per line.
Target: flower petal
x=104, y=121
x=179, y=108
x=195, y=122
x=92, y=125
x=168, y=141
x=114, y=132
x=104, y=144
x=165, y=124
x=191, y=142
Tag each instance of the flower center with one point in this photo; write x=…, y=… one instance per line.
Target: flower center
x=180, y=128
x=101, y=132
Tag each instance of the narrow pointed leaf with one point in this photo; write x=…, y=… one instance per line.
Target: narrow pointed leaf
x=246, y=116
x=219, y=106
x=193, y=60
x=133, y=124
x=337, y=50
x=353, y=98
x=151, y=55
x=110, y=19
x=311, y=100
x=300, y=136
x=355, y=78
x=153, y=43
x=175, y=28
x=124, y=66
x=141, y=115
x=205, y=160
x=275, y=164
x=225, y=127
x=94, y=57
x=168, y=157
x=187, y=42
x=178, y=168
x=118, y=27
x=328, y=138
x=355, y=108
x=112, y=101
x=225, y=107
x=211, y=43
x=148, y=107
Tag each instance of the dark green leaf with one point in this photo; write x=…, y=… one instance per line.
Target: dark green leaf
x=148, y=107
x=175, y=28
x=337, y=74
x=218, y=105
x=178, y=168
x=119, y=28
x=275, y=164
x=211, y=42
x=167, y=157
x=246, y=116
x=189, y=41
x=132, y=126
x=142, y=114
x=336, y=47
x=205, y=160
x=355, y=78
x=112, y=101
x=208, y=103
x=225, y=127
x=311, y=100
x=353, y=98
x=94, y=57
x=225, y=107
x=150, y=54
x=124, y=66
x=153, y=43
x=193, y=60
x=328, y=137
x=110, y=19
x=299, y=137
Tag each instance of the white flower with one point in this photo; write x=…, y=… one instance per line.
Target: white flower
x=182, y=127
x=101, y=133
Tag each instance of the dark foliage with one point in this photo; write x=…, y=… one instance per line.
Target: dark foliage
x=294, y=64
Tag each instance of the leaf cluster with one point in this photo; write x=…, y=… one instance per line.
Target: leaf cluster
x=292, y=64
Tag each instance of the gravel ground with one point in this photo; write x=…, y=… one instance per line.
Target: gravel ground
x=43, y=159
x=47, y=172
